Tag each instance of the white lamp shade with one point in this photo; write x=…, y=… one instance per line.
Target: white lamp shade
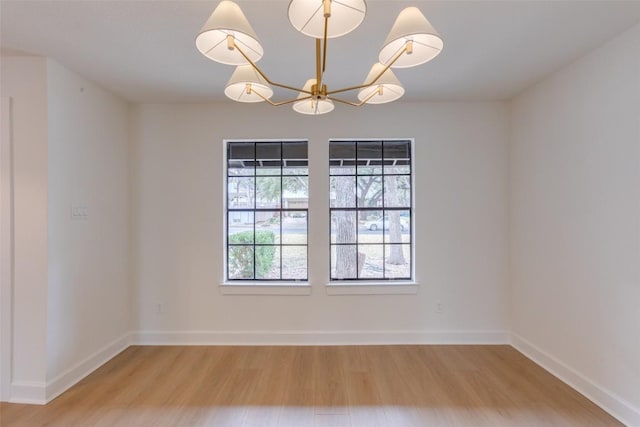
x=411, y=25
x=227, y=19
x=237, y=86
x=307, y=16
x=391, y=87
x=317, y=107
x=312, y=105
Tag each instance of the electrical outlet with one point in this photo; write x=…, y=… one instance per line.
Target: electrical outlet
x=159, y=308
x=439, y=307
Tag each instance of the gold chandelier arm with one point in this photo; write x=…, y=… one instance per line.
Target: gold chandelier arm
x=264, y=76
x=372, y=82
x=277, y=104
x=355, y=104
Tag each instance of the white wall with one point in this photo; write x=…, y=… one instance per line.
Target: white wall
x=461, y=207
x=575, y=221
x=71, y=291
x=89, y=299
x=24, y=80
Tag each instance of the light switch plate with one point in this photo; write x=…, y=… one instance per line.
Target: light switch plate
x=79, y=212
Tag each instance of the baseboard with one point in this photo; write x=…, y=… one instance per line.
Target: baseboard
x=71, y=376
x=317, y=337
x=32, y=393
x=41, y=393
x=616, y=406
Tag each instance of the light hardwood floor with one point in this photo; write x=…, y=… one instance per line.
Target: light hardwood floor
x=366, y=386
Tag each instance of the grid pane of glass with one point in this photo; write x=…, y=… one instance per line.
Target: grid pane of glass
x=397, y=261
x=369, y=191
x=240, y=192
x=268, y=158
x=295, y=267
x=267, y=227
x=268, y=262
x=240, y=158
x=398, y=226
x=294, y=155
x=240, y=222
x=378, y=195
x=371, y=226
x=267, y=202
x=268, y=192
x=343, y=226
x=372, y=260
x=342, y=191
x=294, y=228
x=343, y=264
x=397, y=191
x=397, y=157
x=369, y=157
x=342, y=158
x=240, y=262
x=268, y=151
x=295, y=194
x=241, y=150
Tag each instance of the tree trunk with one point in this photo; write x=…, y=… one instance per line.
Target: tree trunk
x=396, y=254
x=346, y=256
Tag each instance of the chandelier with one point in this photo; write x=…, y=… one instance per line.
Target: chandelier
x=228, y=38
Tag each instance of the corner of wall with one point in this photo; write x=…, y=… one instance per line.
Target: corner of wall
x=133, y=130
x=509, y=214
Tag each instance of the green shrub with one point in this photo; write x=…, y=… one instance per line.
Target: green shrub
x=241, y=257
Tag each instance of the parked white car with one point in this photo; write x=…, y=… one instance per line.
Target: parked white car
x=377, y=224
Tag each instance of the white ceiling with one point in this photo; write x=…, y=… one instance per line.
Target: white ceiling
x=145, y=51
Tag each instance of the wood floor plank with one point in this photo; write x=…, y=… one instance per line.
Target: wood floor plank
x=355, y=386
x=401, y=403
x=365, y=404
x=269, y=394
x=298, y=408
x=329, y=382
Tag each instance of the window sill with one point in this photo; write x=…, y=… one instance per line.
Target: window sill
x=265, y=288
x=372, y=288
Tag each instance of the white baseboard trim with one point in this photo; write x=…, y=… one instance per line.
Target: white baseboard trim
x=616, y=406
x=317, y=337
x=71, y=376
x=41, y=393
x=32, y=393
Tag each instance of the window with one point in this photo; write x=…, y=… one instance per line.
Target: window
x=267, y=210
x=370, y=210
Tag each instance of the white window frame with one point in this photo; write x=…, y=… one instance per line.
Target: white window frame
x=254, y=287
x=387, y=286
